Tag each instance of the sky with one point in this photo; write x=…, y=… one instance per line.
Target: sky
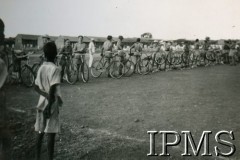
x=165, y=19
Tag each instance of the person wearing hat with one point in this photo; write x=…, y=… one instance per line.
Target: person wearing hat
x=232, y=53
x=225, y=51
x=121, y=53
x=66, y=53
x=107, y=50
x=91, y=49
x=156, y=50
x=206, y=47
x=197, y=52
x=46, y=39
x=168, y=53
x=137, y=46
x=186, y=54
x=79, y=51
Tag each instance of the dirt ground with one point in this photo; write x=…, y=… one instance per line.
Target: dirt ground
x=109, y=118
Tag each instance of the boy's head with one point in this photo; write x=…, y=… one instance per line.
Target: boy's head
x=80, y=38
x=109, y=38
x=46, y=39
x=138, y=39
x=120, y=37
x=67, y=42
x=50, y=51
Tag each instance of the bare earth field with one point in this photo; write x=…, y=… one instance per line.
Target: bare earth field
x=109, y=118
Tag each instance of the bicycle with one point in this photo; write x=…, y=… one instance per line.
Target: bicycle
x=129, y=66
x=115, y=68
x=24, y=72
x=75, y=69
x=70, y=74
x=144, y=65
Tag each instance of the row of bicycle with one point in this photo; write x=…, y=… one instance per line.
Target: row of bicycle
x=115, y=66
x=144, y=63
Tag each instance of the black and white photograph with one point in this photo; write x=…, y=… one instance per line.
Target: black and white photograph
x=119, y=79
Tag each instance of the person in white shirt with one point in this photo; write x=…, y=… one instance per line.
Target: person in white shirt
x=47, y=85
x=91, y=49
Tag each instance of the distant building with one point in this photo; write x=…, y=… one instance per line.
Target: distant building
x=9, y=42
x=26, y=41
x=40, y=40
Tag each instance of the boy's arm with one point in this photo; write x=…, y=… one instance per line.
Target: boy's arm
x=37, y=89
x=102, y=51
x=53, y=95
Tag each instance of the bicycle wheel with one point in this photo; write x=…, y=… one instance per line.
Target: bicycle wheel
x=35, y=68
x=144, y=66
x=71, y=73
x=27, y=76
x=10, y=78
x=129, y=68
x=84, y=72
x=210, y=56
x=176, y=59
x=97, y=69
x=160, y=58
x=116, y=69
x=185, y=58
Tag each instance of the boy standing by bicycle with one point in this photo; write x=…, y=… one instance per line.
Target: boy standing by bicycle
x=186, y=54
x=138, y=51
x=47, y=84
x=66, y=53
x=107, y=51
x=79, y=49
x=197, y=52
x=155, y=49
x=91, y=49
x=206, y=46
x=120, y=51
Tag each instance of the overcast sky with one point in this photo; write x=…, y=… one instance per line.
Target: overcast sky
x=165, y=19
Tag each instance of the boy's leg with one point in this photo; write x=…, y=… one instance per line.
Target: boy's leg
x=165, y=63
x=137, y=58
x=39, y=145
x=90, y=60
x=121, y=67
x=107, y=59
x=153, y=59
x=205, y=58
x=62, y=64
x=81, y=62
x=134, y=60
x=50, y=143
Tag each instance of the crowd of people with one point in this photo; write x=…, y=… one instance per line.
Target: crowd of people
x=227, y=53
